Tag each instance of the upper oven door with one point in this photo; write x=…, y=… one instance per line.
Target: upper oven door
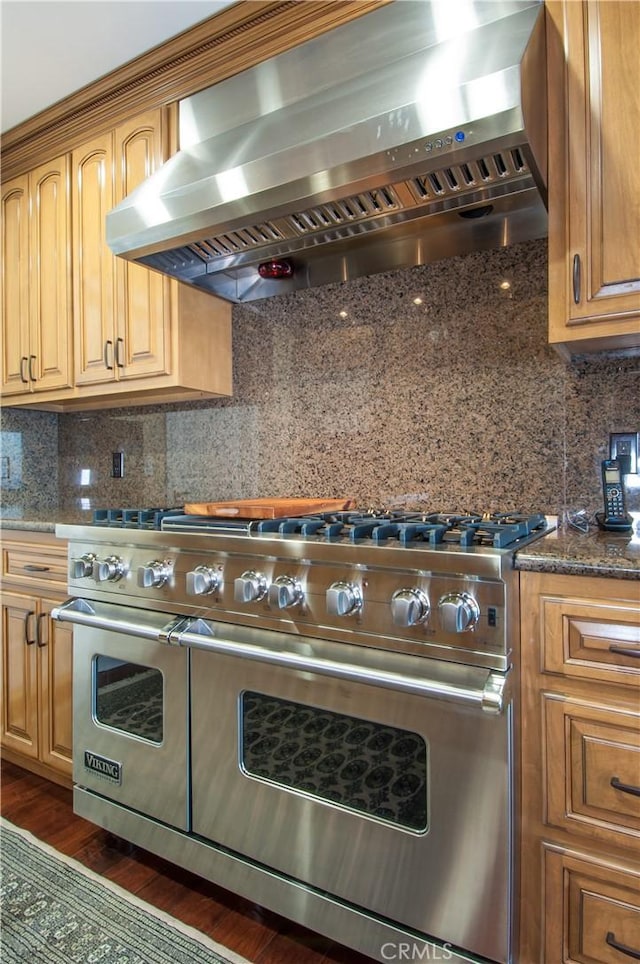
x=130, y=712
x=394, y=801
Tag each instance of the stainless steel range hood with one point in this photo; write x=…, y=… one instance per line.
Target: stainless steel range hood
x=413, y=133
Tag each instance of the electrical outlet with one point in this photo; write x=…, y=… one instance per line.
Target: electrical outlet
x=623, y=446
x=117, y=465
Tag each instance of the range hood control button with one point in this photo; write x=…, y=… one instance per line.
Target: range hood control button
x=154, y=574
x=251, y=586
x=458, y=612
x=82, y=567
x=409, y=607
x=108, y=570
x=343, y=598
x=284, y=592
x=202, y=581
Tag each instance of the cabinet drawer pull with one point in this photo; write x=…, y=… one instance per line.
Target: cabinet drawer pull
x=629, y=951
x=119, y=346
x=32, y=375
x=40, y=639
x=625, y=787
x=31, y=567
x=576, y=278
x=625, y=651
x=108, y=343
x=23, y=366
x=28, y=616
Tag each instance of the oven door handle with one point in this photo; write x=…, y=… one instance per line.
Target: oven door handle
x=118, y=620
x=492, y=697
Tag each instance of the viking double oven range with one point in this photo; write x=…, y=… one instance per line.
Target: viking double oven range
x=316, y=713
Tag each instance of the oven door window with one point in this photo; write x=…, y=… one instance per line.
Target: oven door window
x=361, y=765
x=128, y=697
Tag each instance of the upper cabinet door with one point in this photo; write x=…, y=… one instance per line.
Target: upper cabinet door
x=594, y=196
x=36, y=282
x=50, y=276
x=143, y=305
x=15, y=286
x=92, y=197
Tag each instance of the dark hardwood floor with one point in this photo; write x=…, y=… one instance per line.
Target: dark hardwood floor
x=45, y=809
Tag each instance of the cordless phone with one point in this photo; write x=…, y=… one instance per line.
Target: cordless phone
x=614, y=517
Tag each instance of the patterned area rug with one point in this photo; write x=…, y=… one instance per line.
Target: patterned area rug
x=55, y=910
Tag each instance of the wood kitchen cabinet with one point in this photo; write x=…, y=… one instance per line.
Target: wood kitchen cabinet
x=36, y=260
x=123, y=311
x=132, y=323
x=580, y=726
x=594, y=178
x=135, y=336
x=36, y=672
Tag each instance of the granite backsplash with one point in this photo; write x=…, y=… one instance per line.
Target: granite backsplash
x=432, y=385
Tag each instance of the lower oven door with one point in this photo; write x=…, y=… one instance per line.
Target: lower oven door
x=130, y=710
x=393, y=800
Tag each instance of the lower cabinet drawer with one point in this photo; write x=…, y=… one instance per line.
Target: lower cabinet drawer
x=592, y=911
x=35, y=567
x=597, y=791
x=591, y=640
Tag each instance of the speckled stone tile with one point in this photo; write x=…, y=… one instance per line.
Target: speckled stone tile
x=29, y=454
x=87, y=442
x=602, y=396
x=357, y=390
x=454, y=401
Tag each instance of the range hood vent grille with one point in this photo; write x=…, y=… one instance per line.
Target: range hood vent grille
x=345, y=211
x=375, y=209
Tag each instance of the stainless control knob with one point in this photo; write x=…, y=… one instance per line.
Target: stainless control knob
x=343, y=598
x=284, y=592
x=251, y=586
x=202, y=581
x=82, y=567
x=154, y=574
x=409, y=607
x=458, y=612
x=108, y=570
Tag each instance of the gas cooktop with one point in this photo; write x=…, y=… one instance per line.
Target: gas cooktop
x=498, y=530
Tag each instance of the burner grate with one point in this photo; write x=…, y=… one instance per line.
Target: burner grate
x=131, y=518
x=377, y=526
x=498, y=530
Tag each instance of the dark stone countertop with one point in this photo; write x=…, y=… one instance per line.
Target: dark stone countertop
x=564, y=551
x=46, y=522
x=595, y=553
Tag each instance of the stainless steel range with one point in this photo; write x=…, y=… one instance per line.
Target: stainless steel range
x=316, y=713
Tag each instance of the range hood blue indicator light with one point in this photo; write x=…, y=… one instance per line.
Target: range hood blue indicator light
x=459, y=136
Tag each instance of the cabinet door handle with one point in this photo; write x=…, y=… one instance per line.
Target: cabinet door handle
x=576, y=278
x=629, y=951
x=625, y=651
x=41, y=639
x=31, y=567
x=28, y=641
x=23, y=365
x=625, y=787
x=108, y=343
x=119, y=346
x=32, y=376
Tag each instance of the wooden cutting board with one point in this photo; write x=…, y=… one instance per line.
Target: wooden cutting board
x=268, y=508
